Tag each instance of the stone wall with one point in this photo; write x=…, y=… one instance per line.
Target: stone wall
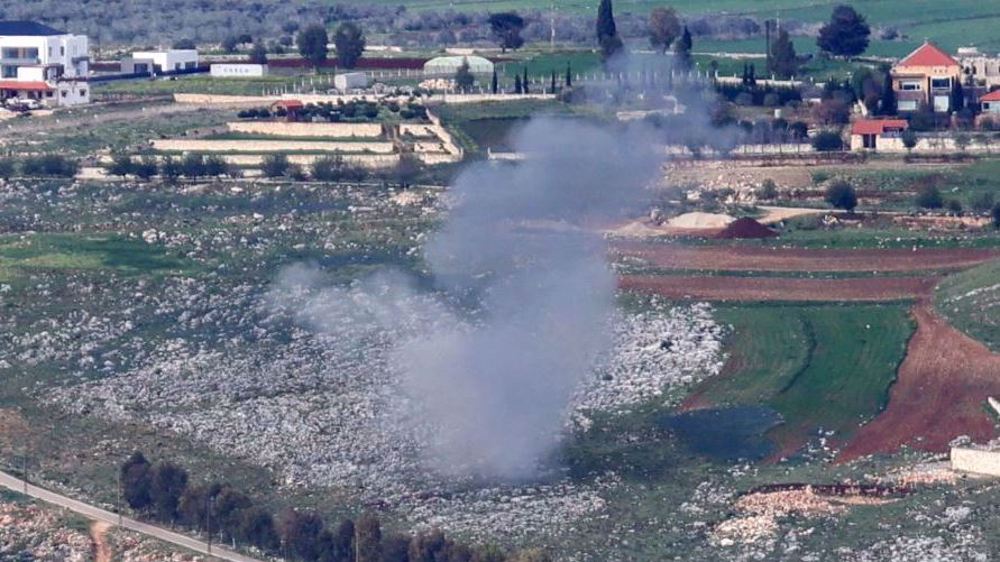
x=977, y=461
x=212, y=99
x=371, y=161
x=190, y=145
x=283, y=129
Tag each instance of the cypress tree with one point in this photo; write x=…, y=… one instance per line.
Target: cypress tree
x=682, y=50
x=552, y=87
x=607, y=31
x=888, y=105
x=524, y=81
x=494, y=85
x=518, y=89
x=569, y=77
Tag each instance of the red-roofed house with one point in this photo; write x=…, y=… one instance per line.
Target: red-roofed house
x=868, y=134
x=925, y=76
x=990, y=102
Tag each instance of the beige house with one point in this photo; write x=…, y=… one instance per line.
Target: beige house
x=925, y=76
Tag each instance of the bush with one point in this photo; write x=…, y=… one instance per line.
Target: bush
x=171, y=169
x=335, y=169
x=49, y=165
x=995, y=214
x=193, y=165
x=145, y=168
x=768, y=190
x=297, y=173
x=929, y=197
x=121, y=165
x=841, y=195
x=274, y=165
x=828, y=141
x=215, y=166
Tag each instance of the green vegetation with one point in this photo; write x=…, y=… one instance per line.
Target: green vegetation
x=82, y=251
x=824, y=367
x=970, y=300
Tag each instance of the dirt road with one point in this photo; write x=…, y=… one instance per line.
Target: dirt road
x=102, y=515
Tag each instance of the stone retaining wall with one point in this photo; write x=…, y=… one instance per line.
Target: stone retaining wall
x=283, y=129
x=372, y=161
x=189, y=145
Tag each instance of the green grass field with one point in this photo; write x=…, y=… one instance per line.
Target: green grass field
x=970, y=300
x=823, y=367
x=84, y=252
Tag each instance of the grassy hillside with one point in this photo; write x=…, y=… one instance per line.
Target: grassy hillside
x=820, y=367
x=971, y=302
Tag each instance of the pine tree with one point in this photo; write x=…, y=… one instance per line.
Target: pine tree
x=518, y=88
x=682, y=50
x=524, y=81
x=607, y=31
x=552, y=86
x=784, y=62
x=494, y=84
x=888, y=105
x=846, y=34
x=752, y=76
x=569, y=77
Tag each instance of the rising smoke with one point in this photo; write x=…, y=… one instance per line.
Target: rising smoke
x=519, y=249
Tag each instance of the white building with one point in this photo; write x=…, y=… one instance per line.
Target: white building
x=448, y=66
x=44, y=64
x=348, y=81
x=157, y=62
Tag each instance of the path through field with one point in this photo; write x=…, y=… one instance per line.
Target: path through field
x=730, y=288
x=939, y=394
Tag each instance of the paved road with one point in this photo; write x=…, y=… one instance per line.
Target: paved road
x=98, y=514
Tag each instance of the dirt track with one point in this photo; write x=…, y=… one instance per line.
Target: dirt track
x=725, y=288
x=750, y=258
x=939, y=394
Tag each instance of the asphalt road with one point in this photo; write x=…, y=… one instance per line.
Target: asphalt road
x=16, y=484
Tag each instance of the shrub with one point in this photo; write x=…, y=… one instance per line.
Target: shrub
x=49, y=165
x=171, y=169
x=215, y=166
x=995, y=214
x=955, y=206
x=841, y=195
x=929, y=197
x=274, y=165
x=768, y=190
x=297, y=173
x=121, y=165
x=828, y=141
x=145, y=168
x=335, y=169
x=193, y=165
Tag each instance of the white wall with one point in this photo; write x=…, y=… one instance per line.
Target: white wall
x=238, y=70
x=174, y=59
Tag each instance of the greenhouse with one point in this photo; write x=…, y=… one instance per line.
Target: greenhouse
x=442, y=66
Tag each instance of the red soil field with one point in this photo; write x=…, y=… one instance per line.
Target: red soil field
x=751, y=258
x=939, y=395
x=725, y=288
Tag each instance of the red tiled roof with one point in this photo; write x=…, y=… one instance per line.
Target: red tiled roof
x=25, y=86
x=928, y=54
x=877, y=126
x=992, y=96
x=289, y=104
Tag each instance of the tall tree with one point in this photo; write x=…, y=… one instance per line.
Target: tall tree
x=506, y=28
x=607, y=31
x=464, y=79
x=664, y=27
x=957, y=96
x=524, y=81
x=168, y=485
x=552, y=84
x=136, y=481
x=350, y=43
x=682, y=50
x=258, y=55
x=888, y=105
x=846, y=34
x=494, y=82
x=569, y=77
x=312, y=43
x=300, y=532
x=518, y=88
x=784, y=61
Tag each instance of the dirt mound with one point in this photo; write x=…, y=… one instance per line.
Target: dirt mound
x=700, y=220
x=746, y=228
x=943, y=383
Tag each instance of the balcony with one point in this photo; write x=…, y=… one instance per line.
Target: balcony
x=20, y=61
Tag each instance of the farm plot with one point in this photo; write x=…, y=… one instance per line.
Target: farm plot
x=825, y=369
x=763, y=258
x=940, y=394
x=970, y=300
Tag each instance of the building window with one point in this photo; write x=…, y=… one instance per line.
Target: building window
x=48, y=94
x=83, y=93
x=909, y=86
x=940, y=83
x=62, y=51
x=64, y=93
x=907, y=105
x=8, y=71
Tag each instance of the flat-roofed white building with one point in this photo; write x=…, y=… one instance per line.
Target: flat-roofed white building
x=157, y=62
x=44, y=64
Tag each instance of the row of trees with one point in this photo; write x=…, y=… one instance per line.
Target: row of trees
x=164, y=491
x=41, y=165
x=191, y=166
x=336, y=169
x=840, y=194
